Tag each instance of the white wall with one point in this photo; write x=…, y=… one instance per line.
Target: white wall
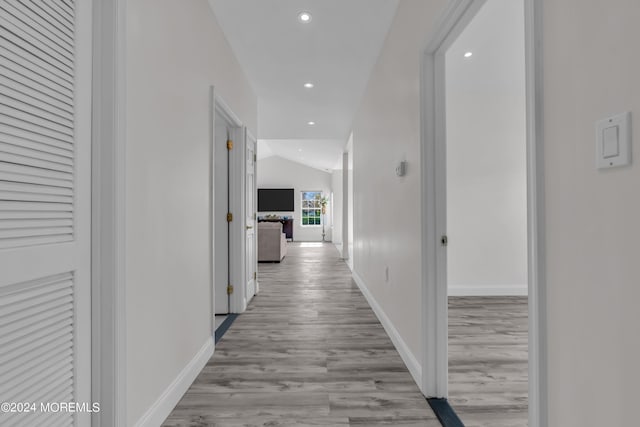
x=386, y=208
x=175, y=51
x=591, y=70
x=486, y=154
x=276, y=172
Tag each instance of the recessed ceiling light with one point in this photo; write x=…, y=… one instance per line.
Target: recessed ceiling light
x=308, y=85
x=299, y=149
x=468, y=54
x=311, y=123
x=304, y=17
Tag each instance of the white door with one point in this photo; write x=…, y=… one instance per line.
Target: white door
x=222, y=131
x=250, y=213
x=45, y=182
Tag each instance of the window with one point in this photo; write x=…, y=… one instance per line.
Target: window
x=312, y=208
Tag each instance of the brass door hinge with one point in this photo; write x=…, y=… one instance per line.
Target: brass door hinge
x=229, y=289
x=255, y=275
x=229, y=144
x=255, y=157
x=229, y=217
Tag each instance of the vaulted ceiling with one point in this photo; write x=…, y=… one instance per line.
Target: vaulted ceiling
x=335, y=51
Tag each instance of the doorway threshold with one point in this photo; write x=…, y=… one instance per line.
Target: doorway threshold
x=224, y=326
x=445, y=413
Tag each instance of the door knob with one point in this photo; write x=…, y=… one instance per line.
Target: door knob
x=249, y=226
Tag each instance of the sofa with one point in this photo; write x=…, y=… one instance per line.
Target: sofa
x=272, y=242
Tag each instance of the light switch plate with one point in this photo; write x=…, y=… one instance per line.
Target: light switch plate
x=613, y=141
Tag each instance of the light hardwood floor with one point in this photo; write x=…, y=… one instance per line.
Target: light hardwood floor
x=308, y=352
x=488, y=360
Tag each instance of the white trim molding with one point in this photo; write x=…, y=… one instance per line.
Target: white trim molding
x=161, y=408
x=407, y=356
x=488, y=290
x=108, y=213
x=538, y=371
x=212, y=227
x=433, y=176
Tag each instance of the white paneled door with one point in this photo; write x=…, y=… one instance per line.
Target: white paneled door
x=223, y=130
x=250, y=213
x=45, y=181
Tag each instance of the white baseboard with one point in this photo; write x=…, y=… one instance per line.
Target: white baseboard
x=493, y=290
x=162, y=407
x=407, y=356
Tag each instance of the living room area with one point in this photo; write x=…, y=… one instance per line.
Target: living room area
x=298, y=201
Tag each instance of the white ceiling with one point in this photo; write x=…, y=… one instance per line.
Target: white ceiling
x=324, y=154
x=336, y=51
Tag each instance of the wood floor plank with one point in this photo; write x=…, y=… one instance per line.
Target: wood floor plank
x=309, y=351
x=209, y=421
x=488, y=353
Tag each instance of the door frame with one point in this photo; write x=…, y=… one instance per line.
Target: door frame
x=238, y=300
x=248, y=136
x=433, y=154
x=108, y=214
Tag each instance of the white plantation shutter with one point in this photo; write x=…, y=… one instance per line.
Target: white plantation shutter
x=44, y=208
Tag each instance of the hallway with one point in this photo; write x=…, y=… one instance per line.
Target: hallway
x=307, y=352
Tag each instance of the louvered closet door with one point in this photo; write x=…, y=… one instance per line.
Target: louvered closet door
x=45, y=181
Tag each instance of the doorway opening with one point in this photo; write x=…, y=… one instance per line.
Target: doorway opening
x=486, y=217
x=482, y=214
x=486, y=154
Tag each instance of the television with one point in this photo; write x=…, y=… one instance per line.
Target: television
x=275, y=200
